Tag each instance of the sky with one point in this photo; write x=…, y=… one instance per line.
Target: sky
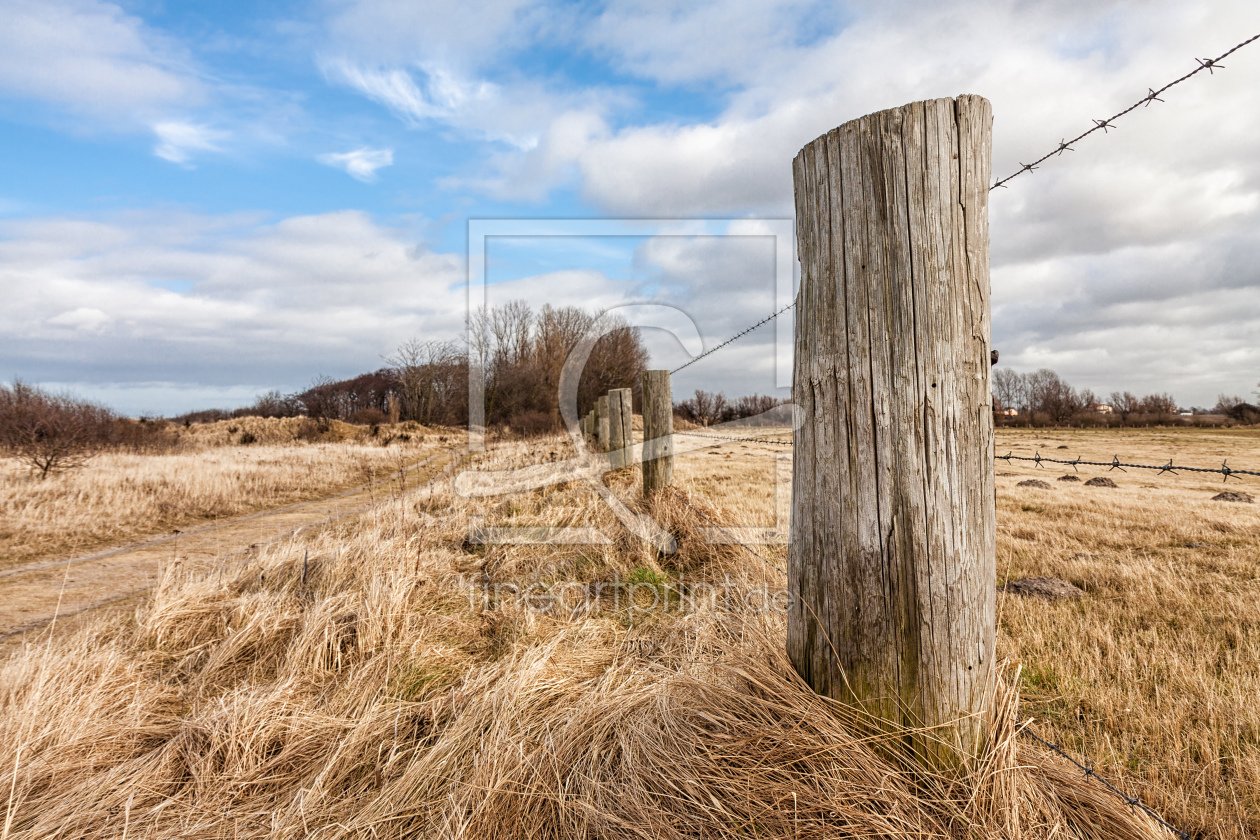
x=203, y=201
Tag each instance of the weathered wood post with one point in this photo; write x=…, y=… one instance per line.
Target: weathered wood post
x=658, y=431
x=891, y=556
x=626, y=396
x=601, y=433
x=616, y=435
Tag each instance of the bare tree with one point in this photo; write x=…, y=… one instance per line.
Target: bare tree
x=51, y=433
x=1124, y=403
x=1010, y=389
x=432, y=379
x=1159, y=404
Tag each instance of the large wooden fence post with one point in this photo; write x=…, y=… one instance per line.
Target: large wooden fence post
x=658, y=431
x=891, y=559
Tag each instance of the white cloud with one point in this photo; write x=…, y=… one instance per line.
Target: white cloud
x=361, y=163
x=393, y=88
x=92, y=57
x=84, y=318
x=178, y=140
x=270, y=303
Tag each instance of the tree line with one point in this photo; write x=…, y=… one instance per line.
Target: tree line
x=1043, y=398
x=520, y=353
x=705, y=408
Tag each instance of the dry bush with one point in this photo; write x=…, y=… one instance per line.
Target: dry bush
x=534, y=424
x=51, y=433
x=398, y=691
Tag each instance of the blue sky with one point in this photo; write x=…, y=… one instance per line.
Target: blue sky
x=202, y=201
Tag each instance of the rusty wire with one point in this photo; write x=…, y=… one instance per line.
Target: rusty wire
x=1131, y=801
x=1209, y=64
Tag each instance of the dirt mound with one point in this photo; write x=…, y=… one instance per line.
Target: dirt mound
x=1100, y=481
x=1069, y=477
x=1042, y=587
x=1231, y=496
x=1034, y=482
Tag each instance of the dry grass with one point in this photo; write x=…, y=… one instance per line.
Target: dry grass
x=119, y=497
x=382, y=698
x=1155, y=674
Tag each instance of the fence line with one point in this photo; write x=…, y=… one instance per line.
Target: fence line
x=1116, y=464
x=746, y=440
x=1026, y=729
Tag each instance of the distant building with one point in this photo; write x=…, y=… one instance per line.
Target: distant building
x=1007, y=412
x=1101, y=408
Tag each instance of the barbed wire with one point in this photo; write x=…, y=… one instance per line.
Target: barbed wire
x=1131, y=801
x=1116, y=464
x=1209, y=64
x=743, y=439
x=737, y=335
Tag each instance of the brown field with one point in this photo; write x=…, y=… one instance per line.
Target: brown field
x=408, y=688
x=209, y=476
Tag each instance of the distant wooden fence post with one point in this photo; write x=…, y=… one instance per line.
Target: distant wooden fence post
x=616, y=432
x=602, y=432
x=891, y=556
x=626, y=397
x=658, y=431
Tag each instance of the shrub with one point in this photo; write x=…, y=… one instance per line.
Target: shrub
x=51, y=433
x=368, y=417
x=534, y=424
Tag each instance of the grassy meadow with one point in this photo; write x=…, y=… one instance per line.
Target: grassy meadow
x=416, y=682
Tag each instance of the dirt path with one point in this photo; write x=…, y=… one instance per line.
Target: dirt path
x=31, y=595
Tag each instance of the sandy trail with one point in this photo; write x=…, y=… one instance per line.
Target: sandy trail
x=31, y=595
